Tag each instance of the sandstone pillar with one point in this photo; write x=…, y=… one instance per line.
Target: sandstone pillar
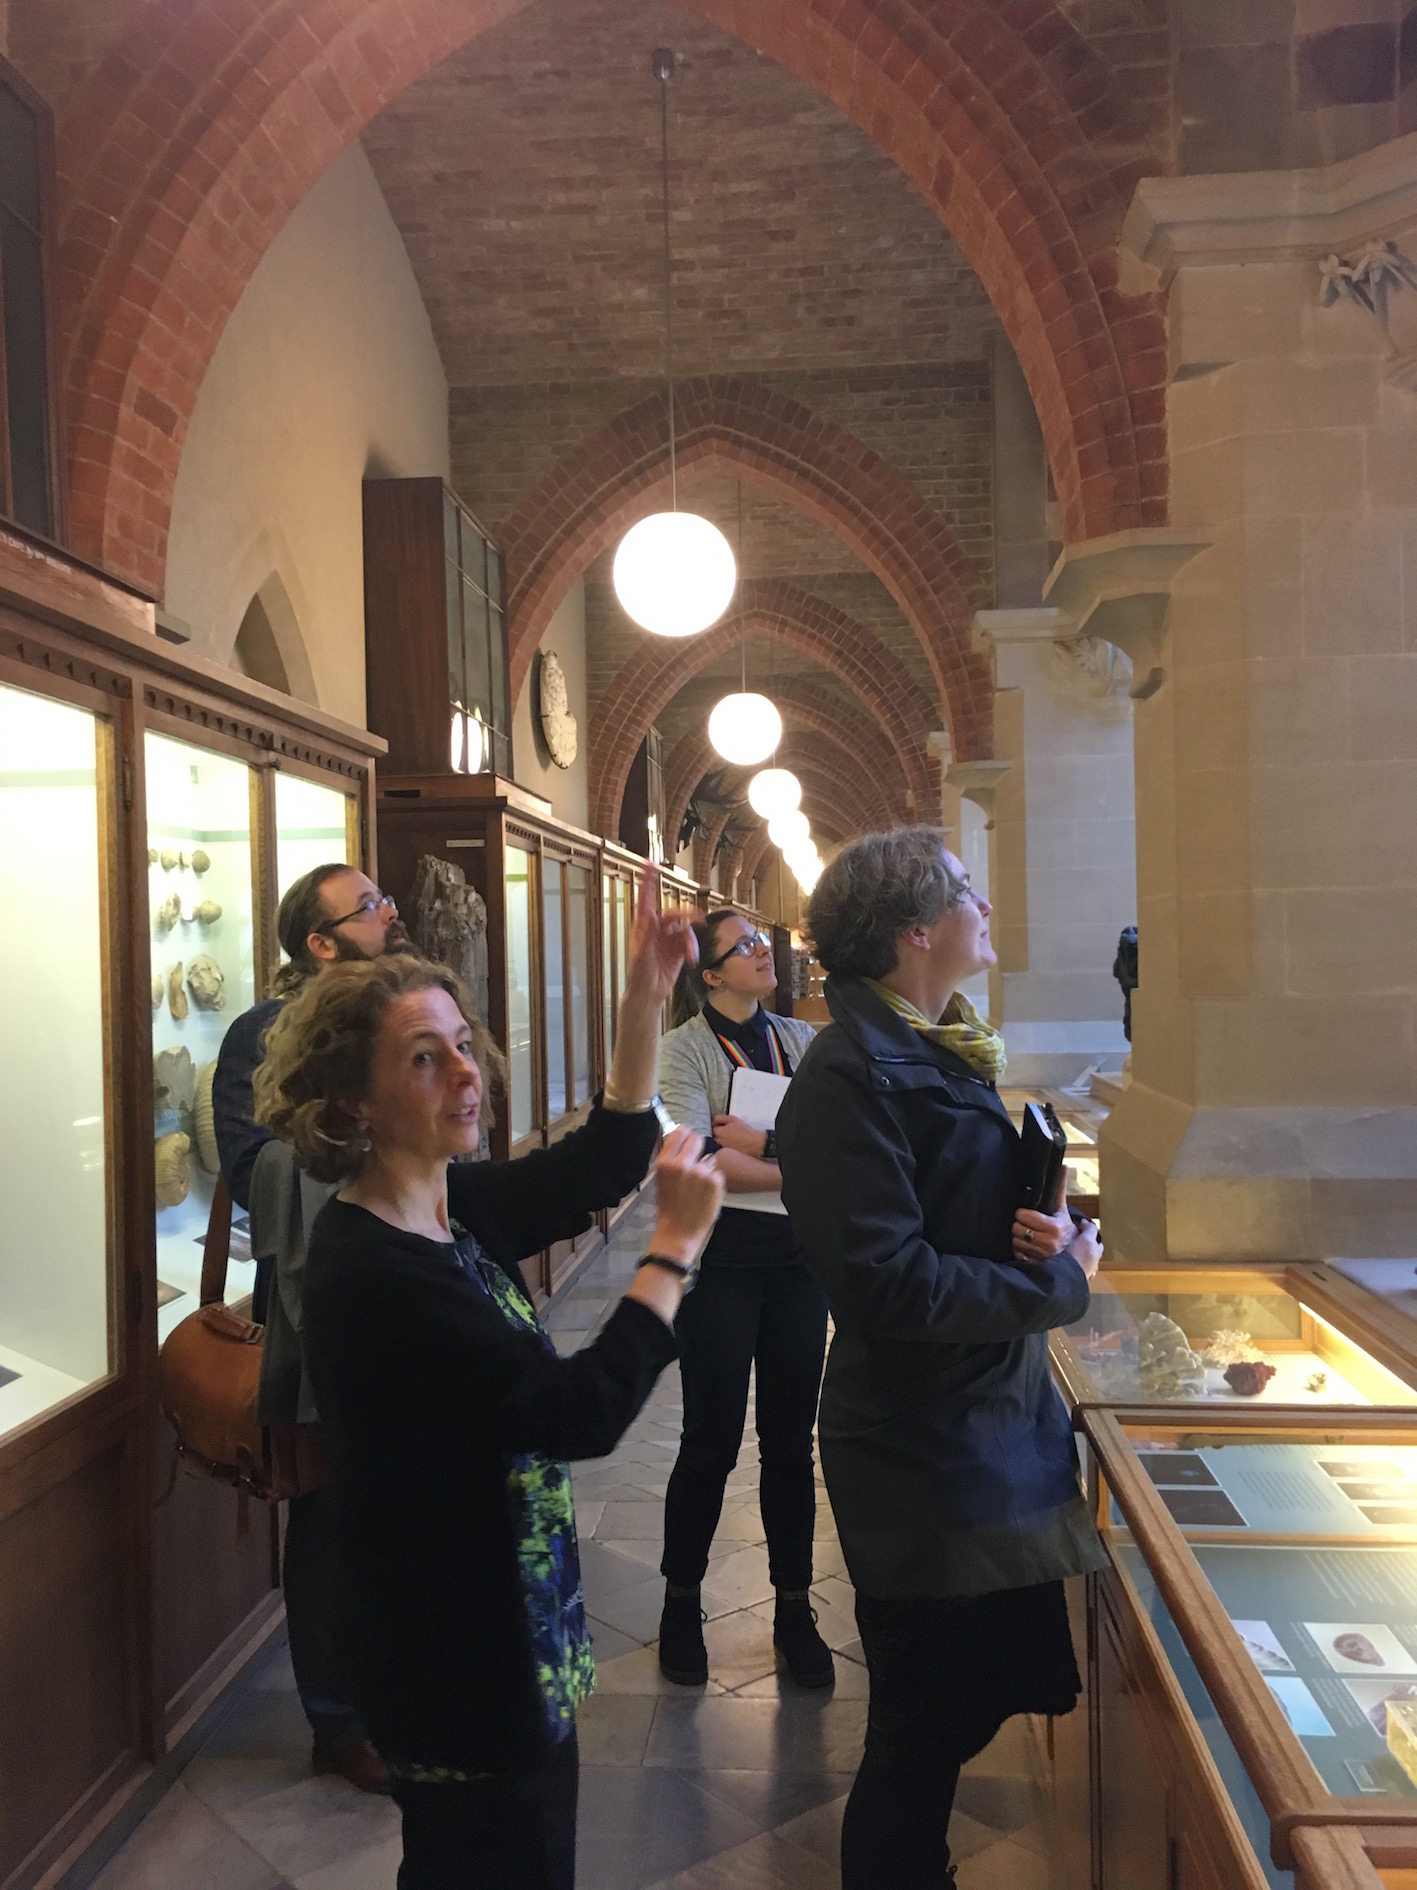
x=1273, y=1107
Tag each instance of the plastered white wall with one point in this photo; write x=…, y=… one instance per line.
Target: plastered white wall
x=567, y=789
x=326, y=370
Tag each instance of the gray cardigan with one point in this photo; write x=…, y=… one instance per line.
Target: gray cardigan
x=284, y=1203
x=695, y=1073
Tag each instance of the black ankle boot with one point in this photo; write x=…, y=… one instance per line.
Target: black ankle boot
x=799, y=1646
x=682, y=1655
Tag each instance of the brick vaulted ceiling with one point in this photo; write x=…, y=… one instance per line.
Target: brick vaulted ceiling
x=523, y=173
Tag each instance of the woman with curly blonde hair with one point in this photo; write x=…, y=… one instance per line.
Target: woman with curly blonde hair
x=448, y=1413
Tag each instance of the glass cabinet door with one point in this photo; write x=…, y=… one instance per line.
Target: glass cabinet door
x=578, y=989
x=553, y=947
x=200, y=903
x=54, y=1119
x=312, y=829
x=522, y=1102
x=607, y=965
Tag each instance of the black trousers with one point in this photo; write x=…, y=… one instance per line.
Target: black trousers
x=309, y=1577
x=510, y=1831
x=945, y=1675
x=736, y=1318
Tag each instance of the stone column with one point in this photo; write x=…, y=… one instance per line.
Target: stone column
x=1065, y=881
x=1273, y=1107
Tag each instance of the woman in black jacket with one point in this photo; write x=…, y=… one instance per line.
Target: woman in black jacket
x=946, y=1450
x=448, y=1413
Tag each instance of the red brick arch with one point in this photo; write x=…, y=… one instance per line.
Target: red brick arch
x=648, y=683
x=770, y=441
x=184, y=153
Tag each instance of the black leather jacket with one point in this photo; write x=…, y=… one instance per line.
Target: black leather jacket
x=946, y=1449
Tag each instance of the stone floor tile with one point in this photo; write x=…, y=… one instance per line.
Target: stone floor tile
x=739, y=1647
x=182, y=1843
x=614, y=1728
x=763, y=1863
x=588, y=1515
x=967, y=1835
x=1004, y=1804
x=644, y=1519
x=632, y=1550
x=1005, y=1866
x=320, y=1821
x=818, y=1830
x=806, y=1733
x=608, y=1643
x=568, y=1342
x=742, y=1524
x=374, y=1869
x=605, y=1571
x=742, y=1577
x=773, y=1799
x=851, y=1683
x=638, y=1672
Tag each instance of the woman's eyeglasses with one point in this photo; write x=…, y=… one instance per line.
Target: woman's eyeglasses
x=742, y=948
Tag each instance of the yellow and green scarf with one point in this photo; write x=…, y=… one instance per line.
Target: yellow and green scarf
x=961, y=1030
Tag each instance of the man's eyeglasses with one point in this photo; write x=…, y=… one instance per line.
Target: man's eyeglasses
x=366, y=909
x=743, y=948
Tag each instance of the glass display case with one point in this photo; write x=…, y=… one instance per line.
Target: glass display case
x=1227, y=1338
x=315, y=824
x=1272, y=1575
x=201, y=898
x=56, y=771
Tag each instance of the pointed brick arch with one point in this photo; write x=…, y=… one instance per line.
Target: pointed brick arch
x=186, y=150
x=743, y=427
x=766, y=607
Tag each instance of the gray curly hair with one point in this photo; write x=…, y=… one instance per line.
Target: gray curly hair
x=872, y=892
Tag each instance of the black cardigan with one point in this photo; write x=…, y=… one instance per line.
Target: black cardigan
x=425, y=1392
x=946, y=1450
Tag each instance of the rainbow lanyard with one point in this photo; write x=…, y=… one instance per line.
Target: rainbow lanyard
x=775, y=1056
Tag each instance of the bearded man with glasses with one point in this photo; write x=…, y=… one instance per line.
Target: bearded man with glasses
x=331, y=914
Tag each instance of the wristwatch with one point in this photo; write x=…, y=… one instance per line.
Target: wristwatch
x=769, y=1145
x=687, y=1271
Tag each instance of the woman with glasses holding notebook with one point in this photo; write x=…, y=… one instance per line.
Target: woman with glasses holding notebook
x=755, y=1304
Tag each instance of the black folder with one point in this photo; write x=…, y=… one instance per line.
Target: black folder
x=1045, y=1142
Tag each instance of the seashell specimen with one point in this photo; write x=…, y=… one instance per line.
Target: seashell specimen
x=1357, y=1647
x=207, y=983
x=157, y=989
x=172, y=1168
x=168, y=913
x=183, y=861
x=152, y=856
x=176, y=996
x=205, y=1120
x=201, y=860
x=1316, y=1382
x=1166, y=1365
x=169, y=859
x=174, y=1081
x=207, y=913
x=1248, y=1378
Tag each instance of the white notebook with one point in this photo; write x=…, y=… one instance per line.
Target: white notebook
x=755, y=1096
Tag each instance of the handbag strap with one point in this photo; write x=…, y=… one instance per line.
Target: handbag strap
x=217, y=1247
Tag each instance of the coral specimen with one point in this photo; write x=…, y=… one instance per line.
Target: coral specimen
x=1166, y=1365
x=207, y=983
x=172, y=1167
x=176, y=996
x=1248, y=1378
x=1228, y=1346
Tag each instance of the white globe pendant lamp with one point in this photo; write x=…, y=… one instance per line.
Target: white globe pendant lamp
x=774, y=791
x=745, y=728
x=788, y=831
x=674, y=572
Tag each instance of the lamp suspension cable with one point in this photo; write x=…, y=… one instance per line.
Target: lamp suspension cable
x=664, y=72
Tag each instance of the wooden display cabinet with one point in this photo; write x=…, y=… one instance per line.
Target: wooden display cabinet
x=123, y=1615
x=1157, y=1336
x=560, y=914
x=1253, y=1622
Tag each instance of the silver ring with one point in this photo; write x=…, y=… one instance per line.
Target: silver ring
x=1028, y=1234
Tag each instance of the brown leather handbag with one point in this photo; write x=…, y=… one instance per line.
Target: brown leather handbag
x=209, y=1371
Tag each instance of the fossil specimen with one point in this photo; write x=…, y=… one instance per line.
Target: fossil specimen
x=172, y=1167
x=207, y=913
x=157, y=989
x=183, y=861
x=449, y=924
x=205, y=1120
x=1316, y=1382
x=176, y=996
x=168, y=913
x=1248, y=1377
x=174, y=1081
x=152, y=856
x=1166, y=1365
x=201, y=860
x=207, y=983
x=1357, y=1647
x=169, y=859
x=1228, y=1346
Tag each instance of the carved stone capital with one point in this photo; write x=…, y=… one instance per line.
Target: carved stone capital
x=1118, y=588
x=1043, y=623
